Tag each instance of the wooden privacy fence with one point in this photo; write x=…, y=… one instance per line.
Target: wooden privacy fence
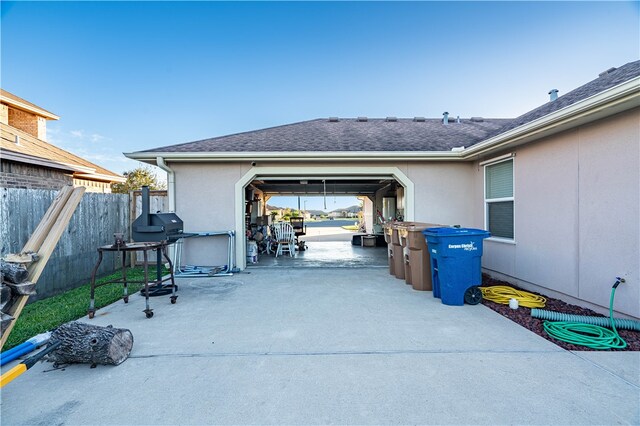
x=96, y=219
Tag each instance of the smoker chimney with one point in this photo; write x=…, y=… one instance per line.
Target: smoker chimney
x=445, y=118
x=145, y=206
x=553, y=95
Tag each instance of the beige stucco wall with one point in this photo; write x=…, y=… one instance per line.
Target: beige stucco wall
x=205, y=202
x=577, y=204
x=205, y=197
x=443, y=192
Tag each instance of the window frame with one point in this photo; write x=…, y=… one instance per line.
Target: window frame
x=493, y=162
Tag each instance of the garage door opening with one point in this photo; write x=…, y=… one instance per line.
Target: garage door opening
x=327, y=233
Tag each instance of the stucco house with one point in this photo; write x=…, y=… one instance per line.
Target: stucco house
x=557, y=187
x=27, y=160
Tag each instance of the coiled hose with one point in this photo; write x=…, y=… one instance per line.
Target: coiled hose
x=502, y=293
x=589, y=335
x=621, y=323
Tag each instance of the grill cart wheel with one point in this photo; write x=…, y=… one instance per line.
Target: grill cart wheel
x=126, y=299
x=149, y=313
x=473, y=295
x=173, y=299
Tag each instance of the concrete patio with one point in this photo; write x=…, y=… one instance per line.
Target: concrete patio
x=326, y=345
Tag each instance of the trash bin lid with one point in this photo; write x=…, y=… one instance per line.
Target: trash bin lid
x=445, y=232
x=420, y=226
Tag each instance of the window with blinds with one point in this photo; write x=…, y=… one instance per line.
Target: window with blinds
x=499, y=199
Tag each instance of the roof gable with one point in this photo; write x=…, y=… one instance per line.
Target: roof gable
x=22, y=104
x=33, y=150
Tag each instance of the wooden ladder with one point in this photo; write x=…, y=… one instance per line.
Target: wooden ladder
x=36, y=252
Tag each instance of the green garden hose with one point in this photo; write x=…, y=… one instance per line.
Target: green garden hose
x=589, y=335
x=621, y=323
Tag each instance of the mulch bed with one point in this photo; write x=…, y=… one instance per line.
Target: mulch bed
x=523, y=317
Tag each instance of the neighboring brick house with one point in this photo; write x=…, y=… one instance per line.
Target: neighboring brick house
x=27, y=160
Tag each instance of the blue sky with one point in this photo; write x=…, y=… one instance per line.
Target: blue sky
x=127, y=76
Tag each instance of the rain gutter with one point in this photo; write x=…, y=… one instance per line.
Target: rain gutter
x=296, y=156
x=171, y=182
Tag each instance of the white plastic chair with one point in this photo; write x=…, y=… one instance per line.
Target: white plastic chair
x=285, y=238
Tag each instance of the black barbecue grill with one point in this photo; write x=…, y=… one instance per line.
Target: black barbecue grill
x=154, y=227
x=157, y=227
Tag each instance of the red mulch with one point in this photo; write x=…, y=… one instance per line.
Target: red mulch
x=523, y=317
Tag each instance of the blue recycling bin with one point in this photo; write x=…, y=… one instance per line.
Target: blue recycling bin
x=455, y=261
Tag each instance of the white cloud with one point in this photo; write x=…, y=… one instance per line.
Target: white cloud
x=85, y=144
x=96, y=137
x=89, y=137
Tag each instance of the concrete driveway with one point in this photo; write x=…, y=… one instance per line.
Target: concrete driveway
x=319, y=346
x=328, y=233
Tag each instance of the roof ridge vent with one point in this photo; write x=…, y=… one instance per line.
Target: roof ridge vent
x=607, y=72
x=393, y=119
x=477, y=119
x=333, y=119
x=419, y=119
x=362, y=119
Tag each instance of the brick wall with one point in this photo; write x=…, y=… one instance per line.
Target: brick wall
x=17, y=175
x=23, y=121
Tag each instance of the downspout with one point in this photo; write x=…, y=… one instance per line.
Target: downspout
x=171, y=183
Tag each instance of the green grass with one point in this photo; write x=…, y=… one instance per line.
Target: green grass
x=46, y=314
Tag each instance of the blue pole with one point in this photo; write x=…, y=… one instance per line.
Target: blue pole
x=22, y=349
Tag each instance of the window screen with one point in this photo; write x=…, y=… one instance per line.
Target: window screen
x=500, y=219
x=499, y=180
x=499, y=199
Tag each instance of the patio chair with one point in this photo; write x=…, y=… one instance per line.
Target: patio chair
x=299, y=229
x=285, y=238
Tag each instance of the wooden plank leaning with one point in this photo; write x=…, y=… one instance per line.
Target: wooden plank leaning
x=47, y=221
x=43, y=241
x=54, y=234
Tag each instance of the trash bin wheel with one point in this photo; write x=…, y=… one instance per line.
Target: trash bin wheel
x=473, y=295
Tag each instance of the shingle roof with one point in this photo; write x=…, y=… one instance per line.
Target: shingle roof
x=324, y=135
x=606, y=81
x=349, y=135
x=10, y=98
x=34, y=147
